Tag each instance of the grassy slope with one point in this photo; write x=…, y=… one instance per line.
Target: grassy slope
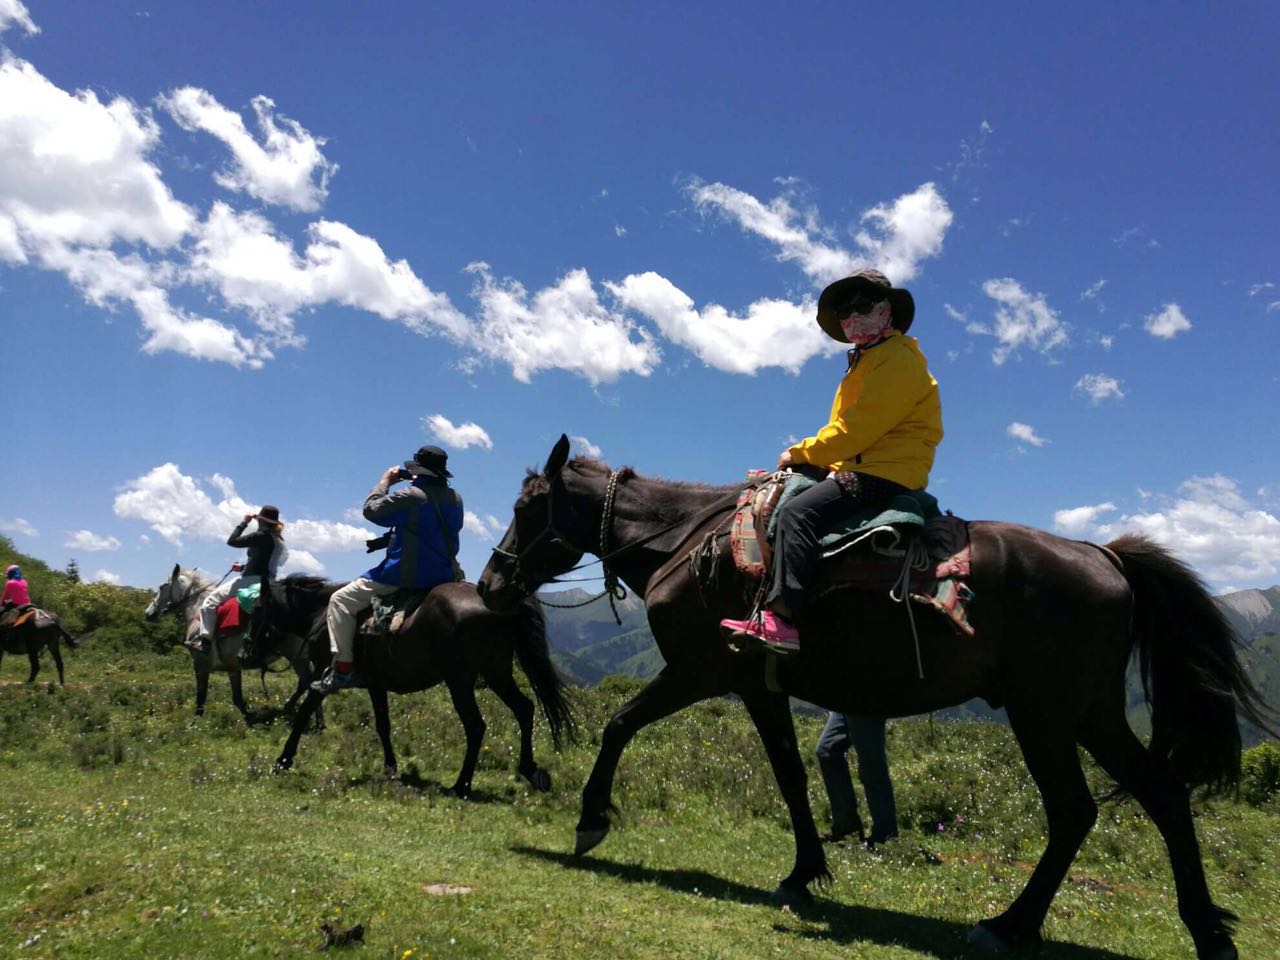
x=129, y=829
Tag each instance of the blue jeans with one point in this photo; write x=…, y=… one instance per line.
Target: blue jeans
x=866, y=736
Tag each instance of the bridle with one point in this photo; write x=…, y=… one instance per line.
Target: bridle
x=613, y=588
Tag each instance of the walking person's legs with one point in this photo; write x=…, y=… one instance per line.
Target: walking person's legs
x=868, y=737
x=833, y=745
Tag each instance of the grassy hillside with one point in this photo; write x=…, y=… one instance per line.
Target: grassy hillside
x=128, y=828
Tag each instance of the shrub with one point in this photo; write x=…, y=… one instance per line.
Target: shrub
x=1260, y=774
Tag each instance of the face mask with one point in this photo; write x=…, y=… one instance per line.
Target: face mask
x=864, y=328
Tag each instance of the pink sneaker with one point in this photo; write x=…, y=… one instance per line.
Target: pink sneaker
x=773, y=631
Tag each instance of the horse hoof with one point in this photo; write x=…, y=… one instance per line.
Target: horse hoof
x=985, y=940
x=281, y=766
x=589, y=840
x=541, y=780
x=789, y=898
x=390, y=771
x=461, y=791
x=1228, y=952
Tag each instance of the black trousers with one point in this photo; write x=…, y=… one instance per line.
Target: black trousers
x=807, y=517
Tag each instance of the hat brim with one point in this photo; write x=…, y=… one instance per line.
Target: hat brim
x=418, y=470
x=903, y=304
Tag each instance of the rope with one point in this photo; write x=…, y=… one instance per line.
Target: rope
x=915, y=558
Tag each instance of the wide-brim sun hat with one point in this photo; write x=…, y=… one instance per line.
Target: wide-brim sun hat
x=429, y=462
x=269, y=513
x=873, y=282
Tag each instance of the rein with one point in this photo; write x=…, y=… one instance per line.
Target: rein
x=613, y=588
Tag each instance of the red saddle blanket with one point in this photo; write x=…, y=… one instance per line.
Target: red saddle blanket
x=230, y=619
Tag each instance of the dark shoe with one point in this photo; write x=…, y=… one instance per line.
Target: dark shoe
x=333, y=681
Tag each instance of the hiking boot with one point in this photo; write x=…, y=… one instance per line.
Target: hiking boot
x=333, y=681
x=774, y=632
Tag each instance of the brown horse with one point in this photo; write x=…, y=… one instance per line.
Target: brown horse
x=33, y=636
x=1055, y=624
x=451, y=638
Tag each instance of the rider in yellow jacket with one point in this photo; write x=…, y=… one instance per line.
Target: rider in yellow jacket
x=886, y=422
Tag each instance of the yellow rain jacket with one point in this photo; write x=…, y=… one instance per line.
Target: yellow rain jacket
x=886, y=419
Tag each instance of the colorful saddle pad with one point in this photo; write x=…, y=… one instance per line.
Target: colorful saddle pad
x=388, y=613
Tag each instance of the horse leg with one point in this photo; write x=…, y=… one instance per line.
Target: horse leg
x=57, y=658
x=382, y=723
x=33, y=655
x=1049, y=750
x=1167, y=802
x=235, y=678
x=202, y=667
x=504, y=685
x=302, y=670
x=771, y=714
x=665, y=694
x=462, y=689
x=309, y=706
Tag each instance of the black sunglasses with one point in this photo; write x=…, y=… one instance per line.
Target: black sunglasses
x=860, y=303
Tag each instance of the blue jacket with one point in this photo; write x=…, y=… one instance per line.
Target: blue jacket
x=423, y=542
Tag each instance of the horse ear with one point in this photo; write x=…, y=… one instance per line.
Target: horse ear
x=177, y=569
x=559, y=457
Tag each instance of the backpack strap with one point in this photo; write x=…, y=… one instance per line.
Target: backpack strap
x=453, y=548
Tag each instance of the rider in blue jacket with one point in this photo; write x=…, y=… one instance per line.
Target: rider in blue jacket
x=422, y=547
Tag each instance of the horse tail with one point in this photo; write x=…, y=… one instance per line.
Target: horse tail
x=535, y=660
x=1189, y=660
x=72, y=642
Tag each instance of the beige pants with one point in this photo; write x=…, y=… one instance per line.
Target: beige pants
x=345, y=607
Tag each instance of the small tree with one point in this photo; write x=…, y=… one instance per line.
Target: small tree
x=73, y=570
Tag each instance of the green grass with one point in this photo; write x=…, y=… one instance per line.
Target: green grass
x=130, y=829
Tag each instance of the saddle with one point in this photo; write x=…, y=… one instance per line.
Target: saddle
x=909, y=546
x=236, y=612
x=388, y=614
x=26, y=613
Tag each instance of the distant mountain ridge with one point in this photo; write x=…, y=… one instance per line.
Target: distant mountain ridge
x=1253, y=613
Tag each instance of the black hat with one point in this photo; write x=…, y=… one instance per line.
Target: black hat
x=269, y=513
x=837, y=294
x=428, y=462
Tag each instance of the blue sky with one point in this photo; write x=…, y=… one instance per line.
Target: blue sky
x=257, y=253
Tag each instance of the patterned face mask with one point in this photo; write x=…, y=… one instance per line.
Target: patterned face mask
x=864, y=328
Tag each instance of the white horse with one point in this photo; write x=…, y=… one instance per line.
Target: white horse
x=182, y=594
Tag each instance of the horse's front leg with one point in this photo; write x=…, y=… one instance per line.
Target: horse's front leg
x=57, y=659
x=382, y=723
x=33, y=655
x=771, y=713
x=237, y=692
x=302, y=670
x=667, y=693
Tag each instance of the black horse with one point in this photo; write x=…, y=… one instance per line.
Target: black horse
x=39, y=631
x=1055, y=624
x=451, y=638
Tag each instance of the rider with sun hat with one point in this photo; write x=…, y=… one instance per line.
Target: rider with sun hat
x=266, y=552
x=886, y=422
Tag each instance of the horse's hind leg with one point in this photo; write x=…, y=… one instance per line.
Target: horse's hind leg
x=237, y=693
x=665, y=694
x=309, y=706
x=34, y=657
x=202, y=684
x=382, y=723
x=462, y=689
x=771, y=714
x=504, y=685
x=1168, y=804
x=1049, y=749
x=57, y=659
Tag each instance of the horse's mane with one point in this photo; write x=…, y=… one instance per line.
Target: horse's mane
x=304, y=581
x=591, y=465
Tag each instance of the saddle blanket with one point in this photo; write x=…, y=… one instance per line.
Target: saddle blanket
x=28, y=614
x=388, y=613
x=870, y=550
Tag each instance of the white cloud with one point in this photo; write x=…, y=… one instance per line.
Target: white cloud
x=254, y=268
x=619, y=230
x=1091, y=293
x=176, y=506
x=560, y=327
x=1080, y=521
x=1025, y=433
x=302, y=561
x=1106, y=341
x=1257, y=288
x=954, y=314
x=459, y=437
x=1022, y=319
x=773, y=333
x=1211, y=525
x=105, y=576
x=1273, y=305
x=14, y=12
x=586, y=448
x=486, y=527
x=91, y=542
x=894, y=238
x=18, y=525
x=1099, y=387
x=287, y=167
x=1168, y=323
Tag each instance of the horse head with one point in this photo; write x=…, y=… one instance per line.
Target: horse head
x=171, y=594
x=541, y=542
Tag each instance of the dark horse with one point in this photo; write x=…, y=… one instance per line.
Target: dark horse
x=30, y=638
x=451, y=638
x=1055, y=624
